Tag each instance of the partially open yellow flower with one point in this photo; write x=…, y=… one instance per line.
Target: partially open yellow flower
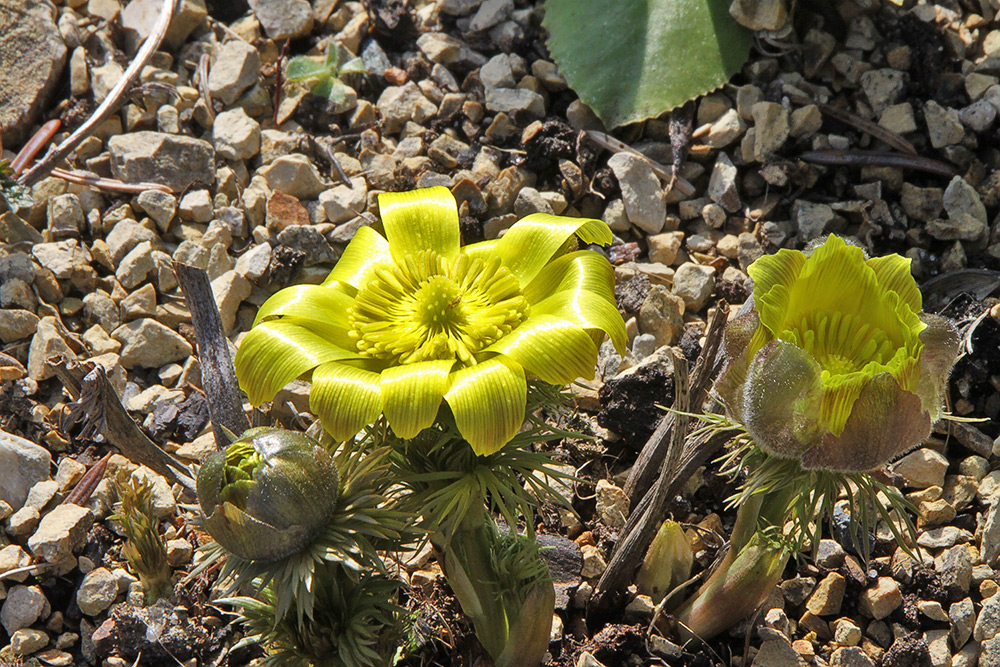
x=835, y=365
x=410, y=318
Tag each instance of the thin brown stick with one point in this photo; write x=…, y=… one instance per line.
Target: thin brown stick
x=644, y=471
x=111, y=102
x=112, y=184
x=279, y=80
x=35, y=144
x=203, y=65
x=879, y=159
x=854, y=120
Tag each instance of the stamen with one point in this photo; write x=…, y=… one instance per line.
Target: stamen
x=428, y=308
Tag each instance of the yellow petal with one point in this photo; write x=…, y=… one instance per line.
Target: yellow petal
x=893, y=273
x=554, y=350
x=366, y=250
x=779, y=270
x=425, y=219
x=488, y=403
x=411, y=395
x=534, y=240
x=586, y=310
x=273, y=354
x=584, y=270
x=331, y=304
x=346, y=399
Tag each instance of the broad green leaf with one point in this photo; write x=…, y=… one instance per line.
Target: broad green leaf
x=273, y=354
x=411, y=395
x=332, y=58
x=555, y=350
x=301, y=68
x=635, y=59
x=425, y=219
x=535, y=239
x=488, y=403
x=344, y=398
x=354, y=66
x=332, y=89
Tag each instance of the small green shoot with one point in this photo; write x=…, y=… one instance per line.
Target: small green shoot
x=144, y=547
x=323, y=78
x=13, y=193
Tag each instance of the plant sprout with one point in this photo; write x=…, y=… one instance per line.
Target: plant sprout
x=323, y=78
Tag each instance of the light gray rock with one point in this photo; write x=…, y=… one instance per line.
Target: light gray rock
x=158, y=205
x=883, y=87
x=23, y=522
x=65, y=216
x=497, y=73
x=47, y=344
x=236, y=68
x=771, y=128
x=399, y=104
x=978, y=116
x=253, y=264
x=922, y=468
x=61, y=532
x=139, y=17
x=642, y=194
x=24, y=605
x=722, y=184
x=962, y=615
x=811, y=219
x=612, y=504
x=31, y=64
x=196, y=206
x=663, y=248
x=943, y=125
x=13, y=557
x=776, y=653
x=148, y=344
x=308, y=239
x=294, y=175
x=168, y=159
x=662, y=315
x=491, y=13
x=230, y=289
x=514, y=100
x=726, y=129
x=236, y=135
x=988, y=623
x=850, y=656
x=99, y=308
x=342, y=203
x=458, y=7
x=136, y=266
x=124, y=236
x=41, y=494
x=17, y=324
x=97, y=591
x=694, y=283
x=965, y=210
x=64, y=259
x=27, y=641
x=283, y=19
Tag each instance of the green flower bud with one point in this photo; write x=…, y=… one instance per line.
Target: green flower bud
x=835, y=366
x=268, y=494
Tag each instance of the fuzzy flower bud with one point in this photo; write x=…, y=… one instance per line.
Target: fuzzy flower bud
x=268, y=494
x=835, y=365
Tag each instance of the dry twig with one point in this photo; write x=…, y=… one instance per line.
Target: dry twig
x=111, y=102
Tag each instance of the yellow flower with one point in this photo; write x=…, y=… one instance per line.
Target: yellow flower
x=410, y=318
x=835, y=365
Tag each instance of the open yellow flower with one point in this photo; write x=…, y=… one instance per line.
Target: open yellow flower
x=410, y=318
x=835, y=365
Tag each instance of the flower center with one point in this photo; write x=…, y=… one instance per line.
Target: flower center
x=433, y=308
x=840, y=342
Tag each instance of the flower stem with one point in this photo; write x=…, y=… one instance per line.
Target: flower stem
x=512, y=616
x=749, y=571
